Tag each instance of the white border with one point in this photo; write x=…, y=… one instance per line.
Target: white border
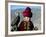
x=24, y=32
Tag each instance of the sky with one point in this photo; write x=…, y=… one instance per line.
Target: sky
x=19, y=7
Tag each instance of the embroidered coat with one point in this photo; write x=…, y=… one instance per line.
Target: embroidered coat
x=26, y=26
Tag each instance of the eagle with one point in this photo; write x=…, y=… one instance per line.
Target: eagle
x=15, y=23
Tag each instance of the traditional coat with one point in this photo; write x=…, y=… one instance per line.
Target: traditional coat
x=26, y=26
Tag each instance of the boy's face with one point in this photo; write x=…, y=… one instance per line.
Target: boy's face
x=26, y=19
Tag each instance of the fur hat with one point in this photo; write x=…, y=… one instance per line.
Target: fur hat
x=27, y=12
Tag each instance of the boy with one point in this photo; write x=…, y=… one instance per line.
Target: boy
x=26, y=24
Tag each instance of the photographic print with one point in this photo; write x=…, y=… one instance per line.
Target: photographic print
x=25, y=18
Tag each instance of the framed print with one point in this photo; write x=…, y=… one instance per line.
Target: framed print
x=25, y=18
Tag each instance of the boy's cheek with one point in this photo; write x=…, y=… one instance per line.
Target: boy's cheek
x=25, y=19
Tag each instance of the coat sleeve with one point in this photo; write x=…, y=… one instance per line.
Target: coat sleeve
x=21, y=27
x=31, y=26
